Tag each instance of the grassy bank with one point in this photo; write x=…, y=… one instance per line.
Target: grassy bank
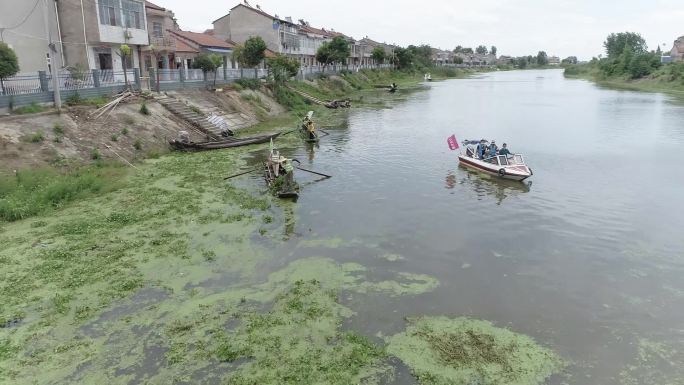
x=668, y=78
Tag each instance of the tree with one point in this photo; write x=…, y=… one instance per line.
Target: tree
x=481, y=50
x=458, y=49
x=252, y=52
x=208, y=63
x=570, y=60
x=421, y=55
x=542, y=58
x=616, y=42
x=403, y=58
x=493, y=50
x=283, y=68
x=467, y=51
x=9, y=64
x=458, y=60
x=124, y=54
x=334, y=51
x=378, y=55
x=643, y=64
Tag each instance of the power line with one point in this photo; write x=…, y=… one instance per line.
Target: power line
x=25, y=18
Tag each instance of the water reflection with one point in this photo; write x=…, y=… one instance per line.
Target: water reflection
x=486, y=186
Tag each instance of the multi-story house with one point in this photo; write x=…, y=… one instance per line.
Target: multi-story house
x=161, y=51
x=92, y=32
x=281, y=35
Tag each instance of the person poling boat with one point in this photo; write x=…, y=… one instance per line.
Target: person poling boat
x=279, y=175
x=485, y=157
x=308, y=128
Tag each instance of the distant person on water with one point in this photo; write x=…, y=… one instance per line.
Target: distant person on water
x=504, y=150
x=492, y=149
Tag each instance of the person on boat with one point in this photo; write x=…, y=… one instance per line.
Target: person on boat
x=482, y=149
x=504, y=150
x=288, y=174
x=492, y=149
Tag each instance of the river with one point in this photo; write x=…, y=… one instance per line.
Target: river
x=586, y=256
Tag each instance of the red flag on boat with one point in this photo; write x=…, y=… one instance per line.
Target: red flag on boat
x=453, y=143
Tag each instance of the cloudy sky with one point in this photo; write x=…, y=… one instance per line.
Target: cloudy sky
x=516, y=27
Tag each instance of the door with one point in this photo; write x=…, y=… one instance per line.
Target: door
x=105, y=60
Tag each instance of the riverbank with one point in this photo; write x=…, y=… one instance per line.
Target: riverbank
x=668, y=78
x=173, y=275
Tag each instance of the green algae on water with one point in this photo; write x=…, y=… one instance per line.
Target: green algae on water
x=656, y=363
x=452, y=351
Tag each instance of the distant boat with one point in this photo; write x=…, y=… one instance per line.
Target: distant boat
x=428, y=77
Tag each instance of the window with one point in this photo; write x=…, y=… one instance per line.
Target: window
x=133, y=14
x=157, y=30
x=109, y=12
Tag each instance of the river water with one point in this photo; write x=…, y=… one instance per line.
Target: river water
x=586, y=256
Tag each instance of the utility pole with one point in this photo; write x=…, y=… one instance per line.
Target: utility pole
x=53, y=61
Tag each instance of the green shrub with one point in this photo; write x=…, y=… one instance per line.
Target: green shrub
x=238, y=87
x=195, y=109
x=58, y=129
x=252, y=84
x=74, y=99
x=124, y=131
x=137, y=144
x=95, y=154
x=144, y=110
x=114, y=138
x=33, y=108
x=36, y=137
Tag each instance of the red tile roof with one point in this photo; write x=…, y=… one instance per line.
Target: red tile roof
x=182, y=46
x=203, y=40
x=269, y=54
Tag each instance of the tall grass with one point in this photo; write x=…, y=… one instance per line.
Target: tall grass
x=32, y=192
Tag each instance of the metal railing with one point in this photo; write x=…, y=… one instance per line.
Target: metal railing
x=21, y=84
x=88, y=79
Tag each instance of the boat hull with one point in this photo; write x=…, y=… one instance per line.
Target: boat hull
x=517, y=173
x=227, y=143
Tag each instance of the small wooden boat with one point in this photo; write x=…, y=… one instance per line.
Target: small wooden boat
x=279, y=175
x=225, y=143
x=511, y=166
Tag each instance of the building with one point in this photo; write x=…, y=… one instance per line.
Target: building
x=677, y=52
x=161, y=52
x=191, y=44
x=554, y=60
x=243, y=21
x=24, y=30
x=442, y=57
x=92, y=32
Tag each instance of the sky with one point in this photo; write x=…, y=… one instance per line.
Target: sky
x=516, y=27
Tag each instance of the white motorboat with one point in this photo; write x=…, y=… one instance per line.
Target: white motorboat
x=511, y=166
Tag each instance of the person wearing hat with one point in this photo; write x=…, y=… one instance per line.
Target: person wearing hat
x=492, y=148
x=504, y=150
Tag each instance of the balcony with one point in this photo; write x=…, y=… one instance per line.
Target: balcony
x=162, y=43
